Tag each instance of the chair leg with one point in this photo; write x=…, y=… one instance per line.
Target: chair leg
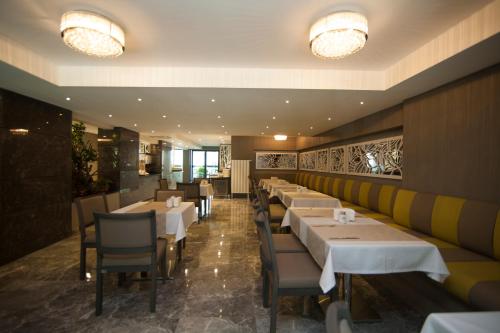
x=163, y=267
x=152, y=300
x=98, y=300
x=184, y=242
x=274, y=309
x=83, y=257
x=265, y=290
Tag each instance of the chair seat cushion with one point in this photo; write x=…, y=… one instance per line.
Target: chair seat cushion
x=138, y=259
x=277, y=212
x=287, y=243
x=297, y=270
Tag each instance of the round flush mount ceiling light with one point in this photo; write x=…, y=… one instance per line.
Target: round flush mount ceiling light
x=92, y=34
x=338, y=35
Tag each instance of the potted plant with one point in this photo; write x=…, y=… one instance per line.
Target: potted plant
x=82, y=154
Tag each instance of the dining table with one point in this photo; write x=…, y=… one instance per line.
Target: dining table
x=266, y=182
x=365, y=246
x=307, y=198
x=169, y=220
x=274, y=188
x=457, y=322
x=206, y=194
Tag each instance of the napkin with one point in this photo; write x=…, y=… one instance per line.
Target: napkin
x=350, y=214
x=274, y=178
x=169, y=202
x=204, y=182
x=177, y=201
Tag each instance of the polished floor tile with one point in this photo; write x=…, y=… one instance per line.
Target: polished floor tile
x=216, y=288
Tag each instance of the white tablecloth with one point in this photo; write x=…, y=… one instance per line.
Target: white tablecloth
x=308, y=199
x=264, y=183
x=458, y=322
x=206, y=190
x=274, y=188
x=169, y=221
x=365, y=246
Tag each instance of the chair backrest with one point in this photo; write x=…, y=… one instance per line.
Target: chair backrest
x=221, y=186
x=86, y=207
x=191, y=190
x=163, y=184
x=126, y=233
x=113, y=201
x=268, y=253
x=163, y=195
x=338, y=318
x=198, y=180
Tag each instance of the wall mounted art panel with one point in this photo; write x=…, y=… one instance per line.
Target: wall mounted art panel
x=275, y=160
x=337, y=159
x=378, y=158
x=322, y=160
x=224, y=157
x=308, y=160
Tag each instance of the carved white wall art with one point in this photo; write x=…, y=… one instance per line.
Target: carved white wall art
x=224, y=157
x=275, y=160
x=337, y=159
x=322, y=160
x=308, y=160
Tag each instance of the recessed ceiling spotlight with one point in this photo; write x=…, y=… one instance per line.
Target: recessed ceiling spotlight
x=361, y=102
x=274, y=117
x=329, y=118
x=135, y=125
x=267, y=126
x=219, y=116
x=152, y=131
x=261, y=133
x=164, y=116
x=213, y=100
x=179, y=125
x=225, y=132
x=222, y=126
x=298, y=134
x=310, y=127
x=287, y=101
x=68, y=98
x=189, y=132
x=139, y=99
x=110, y=115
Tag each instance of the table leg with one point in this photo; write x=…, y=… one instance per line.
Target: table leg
x=347, y=290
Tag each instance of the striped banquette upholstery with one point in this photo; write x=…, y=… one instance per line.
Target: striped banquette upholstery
x=466, y=232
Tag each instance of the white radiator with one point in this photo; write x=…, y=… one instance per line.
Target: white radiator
x=240, y=170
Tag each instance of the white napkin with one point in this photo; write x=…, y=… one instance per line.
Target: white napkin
x=274, y=178
x=204, y=182
x=349, y=213
x=169, y=202
x=177, y=201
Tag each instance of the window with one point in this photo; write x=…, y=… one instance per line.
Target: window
x=204, y=163
x=177, y=159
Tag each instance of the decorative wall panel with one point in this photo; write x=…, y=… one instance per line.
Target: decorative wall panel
x=308, y=160
x=337, y=159
x=275, y=160
x=224, y=157
x=379, y=158
x=322, y=160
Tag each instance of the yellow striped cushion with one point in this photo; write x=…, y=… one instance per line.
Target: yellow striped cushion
x=364, y=190
x=445, y=216
x=318, y=183
x=385, y=199
x=496, y=238
x=348, y=190
x=310, y=183
x=297, y=175
x=305, y=181
x=465, y=274
x=327, y=185
x=402, y=206
x=335, y=187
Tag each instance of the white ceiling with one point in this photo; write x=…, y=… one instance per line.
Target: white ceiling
x=235, y=34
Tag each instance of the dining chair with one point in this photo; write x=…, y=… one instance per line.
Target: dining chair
x=163, y=195
x=338, y=318
x=276, y=211
x=191, y=194
x=128, y=243
x=285, y=274
x=163, y=184
x=86, y=206
x=222, y=187
x=199, y=180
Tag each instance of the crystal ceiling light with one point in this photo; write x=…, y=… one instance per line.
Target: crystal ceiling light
x=92, y=34
x=338, y=35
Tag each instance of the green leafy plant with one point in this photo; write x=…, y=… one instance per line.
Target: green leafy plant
x=201, y=171
x=82, y=154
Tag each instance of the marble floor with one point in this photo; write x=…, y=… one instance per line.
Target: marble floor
x=216, y=288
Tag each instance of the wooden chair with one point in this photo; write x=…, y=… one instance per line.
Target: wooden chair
x=276, y=212
x=285, y=274
x=86, y=207
x=128, y=243
x=163, y=184
x=191, y=194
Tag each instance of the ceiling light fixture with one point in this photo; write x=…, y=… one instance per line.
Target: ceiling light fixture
x=179, y=125
x=280, y=137
x=329, y=118
x=361, y=102
x=135, y=125
x=68, y=98
x=139, y=99
x=274, y=117
x=338, y=35
x=164, y=116
x=310, y=127
x=110, y=115
x=287, y=102
x=267, y=126
x=213, y=100
x=92, y=34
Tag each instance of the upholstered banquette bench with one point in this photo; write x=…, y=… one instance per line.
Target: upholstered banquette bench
x=467, y=232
